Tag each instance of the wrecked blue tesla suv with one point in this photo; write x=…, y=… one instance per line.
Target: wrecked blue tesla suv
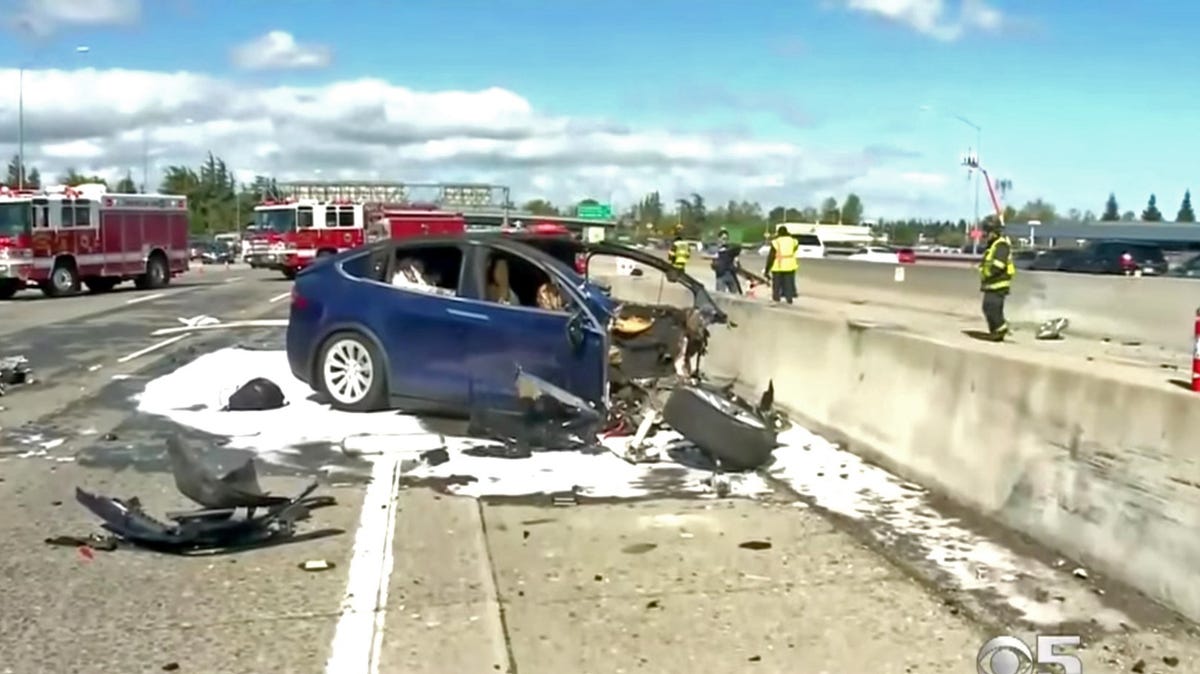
x=453, y=325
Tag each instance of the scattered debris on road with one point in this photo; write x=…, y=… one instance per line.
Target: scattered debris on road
x=216, y=527
x=14, y=371
x=755, y=545
x=1052, y=329
x=256, y=395
x=315, y=565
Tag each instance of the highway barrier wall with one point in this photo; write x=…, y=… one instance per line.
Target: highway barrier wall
x=1159, y=311
x=1103, y=470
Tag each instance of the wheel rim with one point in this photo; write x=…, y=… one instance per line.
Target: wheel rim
x=348, y=371
x=156, y=270
x=731, y=409
x=63, y=279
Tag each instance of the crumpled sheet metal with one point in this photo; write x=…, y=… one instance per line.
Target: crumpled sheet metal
x=14, y=371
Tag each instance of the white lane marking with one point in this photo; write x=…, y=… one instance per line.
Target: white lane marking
x=358, y=640
x=257, y=323
x=145, y=298
x=153, y=347
x=235, y=279
x=95, y=367
x=280, y=297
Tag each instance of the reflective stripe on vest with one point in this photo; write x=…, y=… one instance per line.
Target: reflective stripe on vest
x=785, y=254
x=988, y=278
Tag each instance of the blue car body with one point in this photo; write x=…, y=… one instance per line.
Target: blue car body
x=452, y=353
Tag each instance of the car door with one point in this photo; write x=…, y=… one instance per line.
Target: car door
x=566, y=348
x=422, y=333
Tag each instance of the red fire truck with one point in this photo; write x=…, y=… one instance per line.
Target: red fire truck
x=62, y=238
x=292, y=232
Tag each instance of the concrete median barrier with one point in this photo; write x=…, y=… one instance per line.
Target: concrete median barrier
x=1100, y=468
x=1158, y=311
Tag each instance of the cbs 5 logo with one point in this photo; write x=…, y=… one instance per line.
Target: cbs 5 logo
x=1010, y=655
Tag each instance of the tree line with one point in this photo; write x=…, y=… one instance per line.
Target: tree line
x=216, y=201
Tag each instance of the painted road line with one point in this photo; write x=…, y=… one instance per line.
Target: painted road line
x=235, y=279
x=280, y=297
x=145, y=298
x=358, y=639
x=153, y=347
x=255, y=323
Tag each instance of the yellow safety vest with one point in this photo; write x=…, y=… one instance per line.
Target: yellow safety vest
x=988, y=277
x=785, y=254
x=680, y=252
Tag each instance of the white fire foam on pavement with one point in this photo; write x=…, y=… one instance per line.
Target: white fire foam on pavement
x=195, y=394
x=841, y=482
x=832, y=478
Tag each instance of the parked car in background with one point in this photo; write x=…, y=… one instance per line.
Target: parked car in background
x=881, y=254
x=1024, y=259
x=1053, y=259
x=1117, y=257
x=809, y=246
x=1189, y=269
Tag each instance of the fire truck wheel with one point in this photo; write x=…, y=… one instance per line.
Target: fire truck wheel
x=64, y=280
x=8, y=289
x=157, y=275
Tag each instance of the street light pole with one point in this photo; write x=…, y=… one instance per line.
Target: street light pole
x=21, y=128
x=978, y=143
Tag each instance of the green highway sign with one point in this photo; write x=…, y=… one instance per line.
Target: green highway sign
x=594, y=211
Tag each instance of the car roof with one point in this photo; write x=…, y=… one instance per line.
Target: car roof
x=502, y=240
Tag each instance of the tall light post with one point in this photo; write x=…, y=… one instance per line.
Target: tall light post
x=978, y=143
x=81, y=49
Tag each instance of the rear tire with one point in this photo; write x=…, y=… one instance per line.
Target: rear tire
x=157, y=274
x=350, y=372
x=726, y=430
x=9, y=287
x=64, y=280
x=289, y=274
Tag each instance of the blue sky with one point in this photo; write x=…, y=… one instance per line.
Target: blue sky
x=1075, y=99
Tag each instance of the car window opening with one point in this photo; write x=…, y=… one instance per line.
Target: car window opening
x=432, y=269
x=515, y=281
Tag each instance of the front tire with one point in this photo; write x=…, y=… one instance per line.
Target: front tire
x=726, y=430
x=8, y=288
x=350, y=373
x=64, y=280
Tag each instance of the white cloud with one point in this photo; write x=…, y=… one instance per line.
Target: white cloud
x=279, y=50
x=933, y=17
x=42, y=17
x=95, y=120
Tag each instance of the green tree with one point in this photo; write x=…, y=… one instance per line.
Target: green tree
x=33, y=179
x=1129, y=216
x=126, y=185
x=1035, y=210
x=1151, y=212
x=852, y=210
x=693, y=214
x=72, y=178
x=830, y=213
x=540, y=207
x=1112, y=211
x=1186, y=214
x=1089, y=216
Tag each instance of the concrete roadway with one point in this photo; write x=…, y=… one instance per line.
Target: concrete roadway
x=655, y=586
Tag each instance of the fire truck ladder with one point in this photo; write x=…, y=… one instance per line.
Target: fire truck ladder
x=472, y=196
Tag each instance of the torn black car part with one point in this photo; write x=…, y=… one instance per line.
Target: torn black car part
x=198, y=532
x=546, y=417
x=239, y=488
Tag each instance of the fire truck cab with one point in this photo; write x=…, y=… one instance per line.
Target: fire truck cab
x=292, y=233
x=63, y=238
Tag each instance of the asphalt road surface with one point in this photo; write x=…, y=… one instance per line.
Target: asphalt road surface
x=658, y=585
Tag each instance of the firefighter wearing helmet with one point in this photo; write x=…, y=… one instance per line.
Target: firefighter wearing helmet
x=996, y=273
x=680, y=250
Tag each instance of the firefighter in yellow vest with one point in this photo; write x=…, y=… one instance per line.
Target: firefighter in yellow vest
x=996, y=273
x=680, y=250
x=782, y=265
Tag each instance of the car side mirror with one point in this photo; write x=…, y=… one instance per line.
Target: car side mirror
x=575, y=330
